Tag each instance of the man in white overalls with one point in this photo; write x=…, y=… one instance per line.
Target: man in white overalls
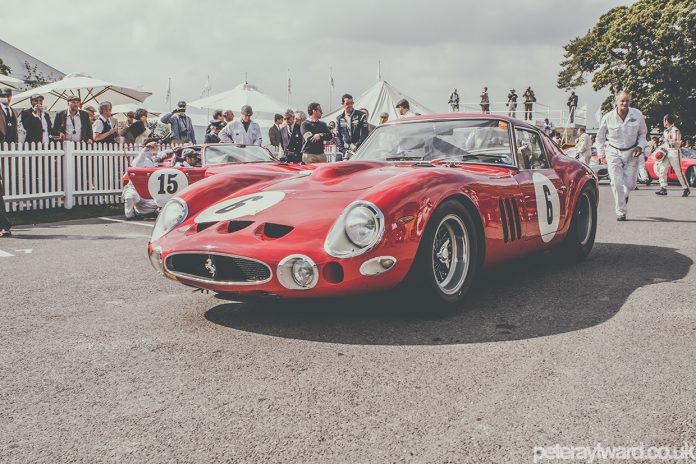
x=673, y=140
x=621, y=139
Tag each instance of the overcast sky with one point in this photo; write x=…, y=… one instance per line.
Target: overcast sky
x=426, y=48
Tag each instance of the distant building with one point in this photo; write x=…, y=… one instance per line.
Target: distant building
x=27, y=68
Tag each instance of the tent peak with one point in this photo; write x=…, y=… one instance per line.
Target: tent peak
x=77, y=74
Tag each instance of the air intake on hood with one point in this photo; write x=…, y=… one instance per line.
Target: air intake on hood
x=276, y=230
x=235, y=226
x=204, y=225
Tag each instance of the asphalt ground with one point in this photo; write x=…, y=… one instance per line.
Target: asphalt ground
x=101, y=360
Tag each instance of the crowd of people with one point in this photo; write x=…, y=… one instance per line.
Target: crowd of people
x=295, y=136
x=299, y=137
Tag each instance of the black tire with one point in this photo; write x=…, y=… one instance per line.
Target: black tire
x=439, y=281
x=583, y=227
x=691, y=176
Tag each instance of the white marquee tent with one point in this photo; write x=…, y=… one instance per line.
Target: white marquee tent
x=381, y=98
x=264, y=106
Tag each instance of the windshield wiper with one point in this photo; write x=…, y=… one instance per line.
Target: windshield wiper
x=404, y=158
x=490, y=155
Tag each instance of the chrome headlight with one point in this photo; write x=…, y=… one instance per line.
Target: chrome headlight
x=358, y=229
x=173, y=214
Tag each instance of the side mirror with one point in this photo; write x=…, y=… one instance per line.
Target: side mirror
x=349, y=154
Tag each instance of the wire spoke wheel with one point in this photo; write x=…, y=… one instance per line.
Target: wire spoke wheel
x=451, y=254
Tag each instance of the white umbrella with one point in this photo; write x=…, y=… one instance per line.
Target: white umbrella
x=7, y=82
x=90, y=90
x=119, y=111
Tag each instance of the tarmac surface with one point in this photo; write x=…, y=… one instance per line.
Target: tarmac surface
x=101, y=360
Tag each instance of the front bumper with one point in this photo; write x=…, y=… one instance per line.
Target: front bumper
x=253, y=270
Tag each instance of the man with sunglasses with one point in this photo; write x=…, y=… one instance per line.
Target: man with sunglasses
x=291, y=138
x=36, y=122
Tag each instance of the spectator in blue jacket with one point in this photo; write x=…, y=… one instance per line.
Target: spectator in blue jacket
x=351, y=125
x=182, y=126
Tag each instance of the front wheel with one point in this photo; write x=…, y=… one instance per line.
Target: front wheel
x=583, y=227
x=447, y=260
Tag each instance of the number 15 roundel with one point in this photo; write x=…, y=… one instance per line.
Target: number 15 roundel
x=548, y=206
x=165, y=183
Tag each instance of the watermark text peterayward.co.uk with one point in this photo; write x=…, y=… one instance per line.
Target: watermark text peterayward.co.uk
x=600, y=452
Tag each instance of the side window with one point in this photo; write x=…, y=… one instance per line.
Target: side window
x=530, y=150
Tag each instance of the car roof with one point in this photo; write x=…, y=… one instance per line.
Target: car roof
x=448, y=116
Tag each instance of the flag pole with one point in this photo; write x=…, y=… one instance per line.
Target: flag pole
x=169, y=94
x=289, y=91
x=330, y=89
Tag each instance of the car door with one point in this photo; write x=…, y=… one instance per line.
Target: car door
x=542, y=190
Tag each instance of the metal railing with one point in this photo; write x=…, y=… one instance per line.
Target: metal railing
x=560, y=117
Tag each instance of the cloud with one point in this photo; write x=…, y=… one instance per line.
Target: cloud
x=426, y=48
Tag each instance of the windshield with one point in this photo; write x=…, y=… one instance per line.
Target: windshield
x=688, y=153
x=223, y=154
x=468, y=140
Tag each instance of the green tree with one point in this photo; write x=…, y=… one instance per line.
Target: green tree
x=4, y=69
x=33, y=77
x=648, y=49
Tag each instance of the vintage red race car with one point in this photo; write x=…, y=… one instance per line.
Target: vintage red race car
x=425, y=202
x=688, y=162
x=163, y=182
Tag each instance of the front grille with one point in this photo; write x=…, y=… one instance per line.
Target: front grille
x=223, y=269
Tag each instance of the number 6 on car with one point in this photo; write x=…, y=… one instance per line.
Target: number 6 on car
x=165, y=183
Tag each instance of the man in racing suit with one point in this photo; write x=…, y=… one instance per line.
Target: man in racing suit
x=135, y=207
x=584, y=146
x=672, y=144
x=352, y=126
x=621, y=139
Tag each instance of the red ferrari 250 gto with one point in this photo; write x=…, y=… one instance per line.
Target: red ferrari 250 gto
x=426, y=202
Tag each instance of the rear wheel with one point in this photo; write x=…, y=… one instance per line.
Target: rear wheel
x=447, y=260
x=583, y=227
x=691, y=176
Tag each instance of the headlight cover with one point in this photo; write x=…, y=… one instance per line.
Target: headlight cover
x=358, y=229
x=298, y=272
x=173, y=214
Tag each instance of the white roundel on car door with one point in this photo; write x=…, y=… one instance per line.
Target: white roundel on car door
x=163, y=184
x=548, y=206
x=234, y=208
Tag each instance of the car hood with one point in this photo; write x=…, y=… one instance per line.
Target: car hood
x=314, y=199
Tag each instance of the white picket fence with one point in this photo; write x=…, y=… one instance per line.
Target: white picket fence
x=37, y=176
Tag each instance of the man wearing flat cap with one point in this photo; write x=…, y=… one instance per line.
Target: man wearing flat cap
x=192, y=159
x=213, y=135
x=403, y=107
x=73, y=124
x=244, y=131
x=182, y=126
x=8, y=118
x=36, y=122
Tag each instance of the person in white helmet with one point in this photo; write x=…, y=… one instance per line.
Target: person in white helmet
x=672, y=145
x=621, y=139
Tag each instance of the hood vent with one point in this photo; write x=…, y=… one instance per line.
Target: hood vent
x=271, y=230
x=204, y=225
x=510, y=219
x=236, y=226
